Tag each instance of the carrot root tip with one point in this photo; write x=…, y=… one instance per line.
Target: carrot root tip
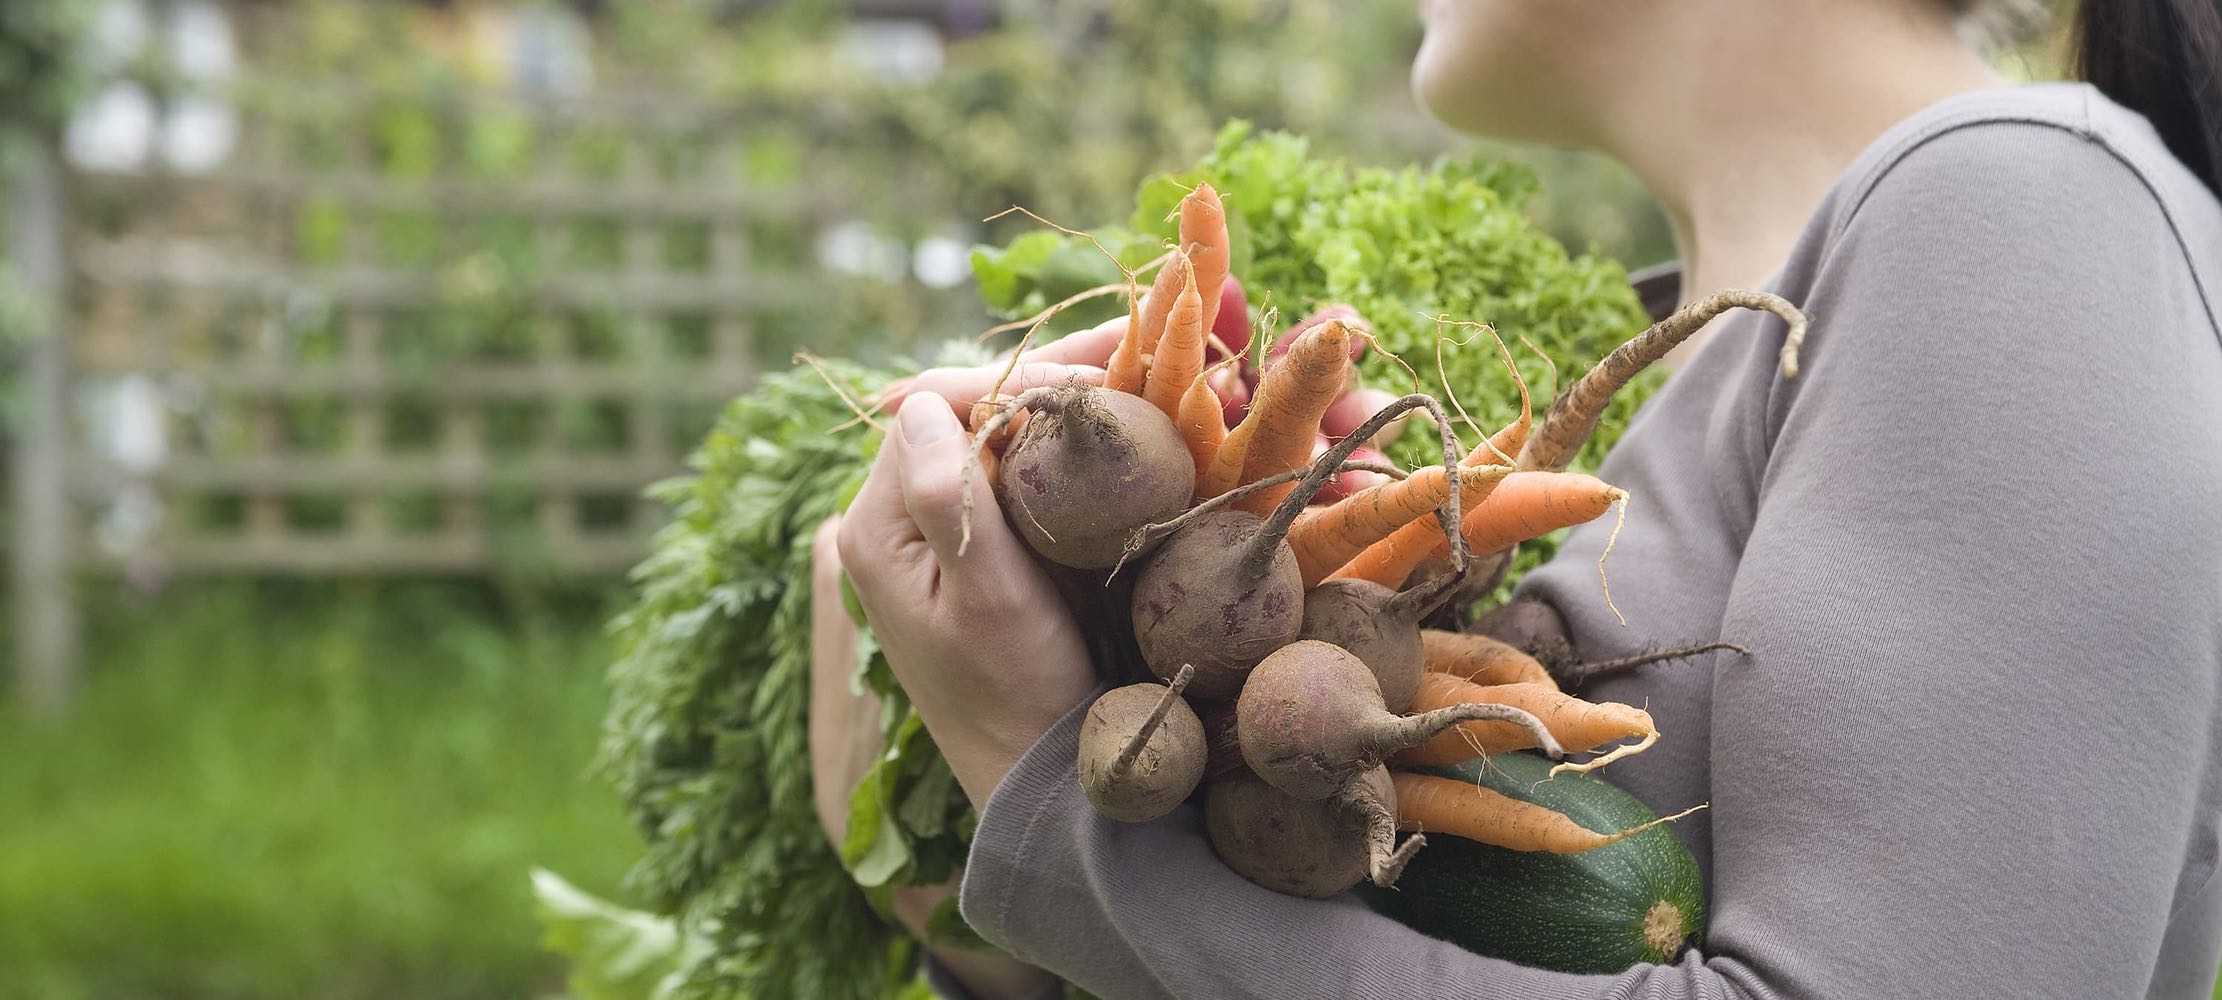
x=1627, y=750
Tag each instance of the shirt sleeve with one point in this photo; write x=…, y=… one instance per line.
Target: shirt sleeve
x=1981, y=588
x=1983, y=582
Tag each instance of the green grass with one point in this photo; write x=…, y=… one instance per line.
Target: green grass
x=307, y=791
x=310, y=792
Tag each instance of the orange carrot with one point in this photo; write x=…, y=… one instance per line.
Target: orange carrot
x=1203, y=230
x=985, y=409
x=1505, y=444
x=1528, y=505
x=1480, y=659
x=1428, y=804
x=1164, y=292
x=1283, y=422
x=1578, y=725
x=1179, y=357
x=1327, y=537
x=1202, y=422
x=1523, y=506
x=1508, y=441
x=1128, y=365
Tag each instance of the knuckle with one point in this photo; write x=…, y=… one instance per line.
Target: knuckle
x=852, y=550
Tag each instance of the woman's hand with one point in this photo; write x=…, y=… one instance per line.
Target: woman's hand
x=844, y=741
x=1077, y=357
x=980, y=641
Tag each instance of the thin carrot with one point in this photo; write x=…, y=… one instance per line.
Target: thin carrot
x=1529, y=505
x=1428, y=804
x=1203, y=229
x=1416, y=542
x=1507, y=443
x=1202, y=422
x=1179, y=357
x=1578, y=725
x=1573, y=416
x=1325, y=538
x=1480, y=659
x=1525, y=505
x=991, y=457
x=985, y=409
x=1164, y=291
x=1128, y=365
x=1283, y=421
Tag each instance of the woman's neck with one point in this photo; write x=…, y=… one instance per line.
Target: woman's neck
x=1741, y=135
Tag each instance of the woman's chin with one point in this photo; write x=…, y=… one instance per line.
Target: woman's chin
x=1430, y=88
x=1456, y=107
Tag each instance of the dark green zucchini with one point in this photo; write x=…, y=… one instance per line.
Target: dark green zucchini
x=1640, y=900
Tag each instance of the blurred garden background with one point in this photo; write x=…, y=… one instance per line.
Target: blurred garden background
x=342, y=338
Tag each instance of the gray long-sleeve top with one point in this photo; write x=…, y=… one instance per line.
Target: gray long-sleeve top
x=1976, y=549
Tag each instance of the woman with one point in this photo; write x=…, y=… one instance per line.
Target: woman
x=1976, y=547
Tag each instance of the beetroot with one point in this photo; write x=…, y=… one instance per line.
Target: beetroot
x=1224, y=590
x=1142, y=750
x=1089, y=467
x=1221, y=593
x=1379, y=626
x=1313, y=848
x=1311, y=721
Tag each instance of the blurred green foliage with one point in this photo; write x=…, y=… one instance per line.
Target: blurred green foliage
x=42, y=75
x=42, y=69
x=705, y=739
x=290, y=790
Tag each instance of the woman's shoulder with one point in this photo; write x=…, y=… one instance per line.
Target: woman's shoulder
x=2066, y=133
x=2044, y=183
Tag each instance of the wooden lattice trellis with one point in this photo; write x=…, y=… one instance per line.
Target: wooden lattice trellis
x=296, y=396
x=202, y=293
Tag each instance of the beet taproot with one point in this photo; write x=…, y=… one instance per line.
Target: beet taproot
x=1222, y=588
x=1142, y=750
x=1381, y=627
x=1088, y=468
x=1311, y=848
x=1310, y=720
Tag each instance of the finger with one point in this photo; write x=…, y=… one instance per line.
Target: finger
x=933, y=470
x=1092, y=346
x=890, y=396
x=876, y=534
x=962, y=387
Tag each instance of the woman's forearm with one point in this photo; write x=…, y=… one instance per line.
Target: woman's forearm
x=1146, y=910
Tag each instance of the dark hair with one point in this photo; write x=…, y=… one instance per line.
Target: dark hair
x=2161, y=59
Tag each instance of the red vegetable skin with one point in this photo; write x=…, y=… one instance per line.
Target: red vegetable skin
x=1234, y=394
x=1231, y=324
x=1346, y=483
x=1353, y=409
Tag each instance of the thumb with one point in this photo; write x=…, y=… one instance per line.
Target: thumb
x=934, y=464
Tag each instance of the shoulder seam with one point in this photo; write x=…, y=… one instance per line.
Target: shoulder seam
x=2082, y=129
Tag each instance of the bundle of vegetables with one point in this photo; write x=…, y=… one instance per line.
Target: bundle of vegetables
x=1303, y=649
x=706, y=734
